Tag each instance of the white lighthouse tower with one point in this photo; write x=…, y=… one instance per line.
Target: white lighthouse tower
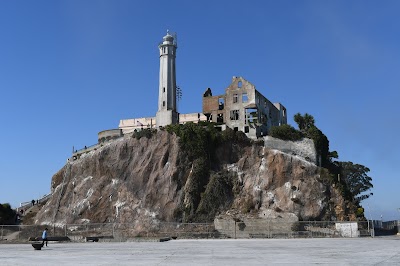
x=167, y=113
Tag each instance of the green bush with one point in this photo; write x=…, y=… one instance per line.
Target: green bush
x=286, y=132
x=218, y=196
x=148, y=133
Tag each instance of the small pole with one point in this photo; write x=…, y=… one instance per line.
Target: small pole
x=235, y=229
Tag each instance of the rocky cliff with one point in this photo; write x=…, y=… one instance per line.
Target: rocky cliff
x=152, y=179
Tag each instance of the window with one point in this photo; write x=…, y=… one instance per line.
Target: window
x=163, y=103
x=252, y=116
x=234, y=115
x=221, y=103
x=164, y=89
x=239, y=84
x=220, y=118
x=235, y=129
x=246, y=129
x=245, y=99
x=235, y=98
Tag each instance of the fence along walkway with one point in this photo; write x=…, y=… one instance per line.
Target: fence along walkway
x=123, y=232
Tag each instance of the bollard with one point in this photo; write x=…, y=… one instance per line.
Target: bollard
x=235, y=229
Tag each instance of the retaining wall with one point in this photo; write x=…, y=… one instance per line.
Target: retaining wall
x=304, y=148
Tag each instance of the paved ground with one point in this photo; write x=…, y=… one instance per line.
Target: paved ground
x=360, y=251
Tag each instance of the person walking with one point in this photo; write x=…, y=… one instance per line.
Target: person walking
x=44, y=237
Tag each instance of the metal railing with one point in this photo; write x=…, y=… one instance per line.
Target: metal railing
x=86, y=148
x=26, y=205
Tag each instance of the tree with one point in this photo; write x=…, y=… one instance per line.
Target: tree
x=321, y=143
x=7, y=215
x=304, y=122
x=357, y=181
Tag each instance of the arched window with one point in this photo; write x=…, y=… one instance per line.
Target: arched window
x=239, y=84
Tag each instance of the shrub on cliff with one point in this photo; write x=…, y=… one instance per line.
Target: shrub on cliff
x=218, y=196
x=285, y=132
x=147, y=132
x=7, y=215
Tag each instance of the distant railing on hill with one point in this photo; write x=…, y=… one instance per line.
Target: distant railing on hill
x=28, y=204
x=87, y=148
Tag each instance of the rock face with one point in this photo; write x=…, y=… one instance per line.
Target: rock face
x=145, y=181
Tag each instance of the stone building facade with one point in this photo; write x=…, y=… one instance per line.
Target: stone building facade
x=243, y=108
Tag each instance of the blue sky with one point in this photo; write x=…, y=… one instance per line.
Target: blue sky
x=69, y=69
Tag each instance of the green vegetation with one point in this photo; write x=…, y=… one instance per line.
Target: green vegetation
x=218, y=196
x=7, y=215
x=356, y=179
x=147, y=132
x=304, y=122
x=206, y=192
x=286, y=132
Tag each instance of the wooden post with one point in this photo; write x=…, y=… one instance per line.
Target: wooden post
x=235, y=229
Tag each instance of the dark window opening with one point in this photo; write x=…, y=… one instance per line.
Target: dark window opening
x=234, y=115
x=246, y=129
x=235, y=129
x=221, y=103
x=264, y=119
x=220, y=118
x=235, y=98
x=164, y=89
x=163, y=103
